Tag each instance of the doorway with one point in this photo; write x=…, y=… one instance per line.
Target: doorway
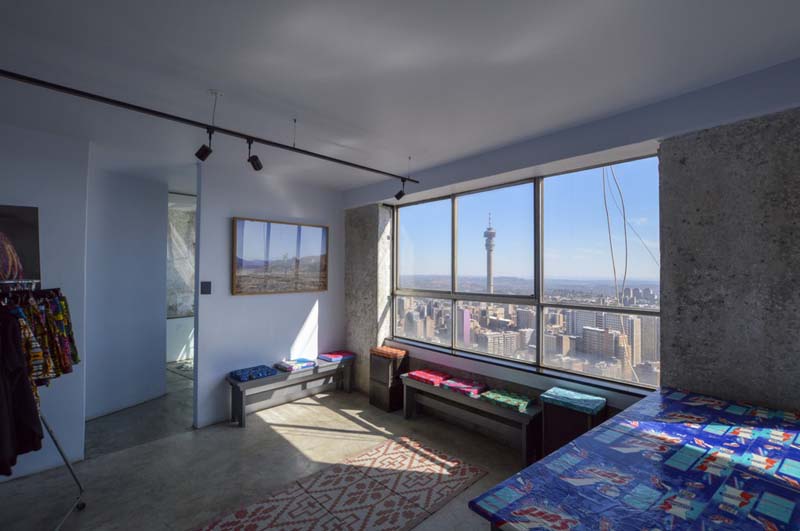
x=149, y=360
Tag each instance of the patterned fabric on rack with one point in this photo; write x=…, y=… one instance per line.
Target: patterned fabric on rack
x=37, y=324
x=54, y=336
x=62, y=301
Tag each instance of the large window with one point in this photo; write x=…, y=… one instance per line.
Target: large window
x=583, y=297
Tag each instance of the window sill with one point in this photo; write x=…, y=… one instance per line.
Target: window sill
x=607, y=385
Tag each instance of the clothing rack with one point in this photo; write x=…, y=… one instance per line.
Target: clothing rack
x=26, y=285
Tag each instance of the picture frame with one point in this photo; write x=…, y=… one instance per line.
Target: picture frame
x=19, y=243
x=272, y=257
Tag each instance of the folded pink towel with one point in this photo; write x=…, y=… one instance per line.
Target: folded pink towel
x=428, y=376
x=471, y=388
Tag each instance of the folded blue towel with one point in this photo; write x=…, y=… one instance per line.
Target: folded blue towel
x=253, y=373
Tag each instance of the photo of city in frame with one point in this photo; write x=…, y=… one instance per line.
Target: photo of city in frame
x=278, y=257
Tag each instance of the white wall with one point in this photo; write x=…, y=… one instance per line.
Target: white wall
x=125, y=292
x=50, y=172
x=241, y=331
x=180, y=338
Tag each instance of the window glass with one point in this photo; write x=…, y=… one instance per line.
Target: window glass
x=424, y=236
x=423, y=319
x=495, y=241
x=498, y=329
x=605, y=344
x=577, y=253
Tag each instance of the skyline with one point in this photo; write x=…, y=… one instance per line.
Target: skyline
x=575, y=242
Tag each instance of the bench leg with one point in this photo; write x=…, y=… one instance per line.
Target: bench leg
x=525, y=444
x=233, y=403
x=409, y=402
x=348, y=377
x=238, y=407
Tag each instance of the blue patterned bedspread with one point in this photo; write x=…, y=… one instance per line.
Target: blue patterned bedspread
x=674, y=460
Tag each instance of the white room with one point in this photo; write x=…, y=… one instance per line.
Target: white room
x=430, y=265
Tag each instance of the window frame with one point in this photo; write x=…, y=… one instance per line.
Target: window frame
x=535, y=300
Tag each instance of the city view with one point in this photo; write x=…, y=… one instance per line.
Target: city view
x=604, y=342
x=599, y=343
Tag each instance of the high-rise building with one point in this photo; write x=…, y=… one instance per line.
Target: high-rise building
x=464, y=330
x=600, y=341
x=576, y=320
x=526, y=318
x=413, y=326
x=526, y=337
x=489, y=234
x=651, y=339
x=631, y=327
x=498, y=343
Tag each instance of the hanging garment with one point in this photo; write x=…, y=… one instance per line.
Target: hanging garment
x=20, y=428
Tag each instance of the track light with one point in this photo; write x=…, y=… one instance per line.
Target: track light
x=402, y=193
x=254, y=161
x=205, y=150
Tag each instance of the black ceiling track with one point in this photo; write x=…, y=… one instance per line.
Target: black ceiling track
x=193, y=123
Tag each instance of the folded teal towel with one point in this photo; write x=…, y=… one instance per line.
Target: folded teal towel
x=573, y=400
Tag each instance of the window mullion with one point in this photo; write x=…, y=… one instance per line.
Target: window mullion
x=453, y=269
x=538, y=246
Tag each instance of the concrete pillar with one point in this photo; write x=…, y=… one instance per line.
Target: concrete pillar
x=730, y=261
x=368, y=283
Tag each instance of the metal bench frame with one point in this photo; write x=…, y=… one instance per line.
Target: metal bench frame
x=512, y=425
x=262, y=390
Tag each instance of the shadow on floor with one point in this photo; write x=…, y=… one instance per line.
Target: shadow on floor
x=187, y=479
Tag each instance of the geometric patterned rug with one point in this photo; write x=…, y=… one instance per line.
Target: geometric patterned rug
x=394, y=486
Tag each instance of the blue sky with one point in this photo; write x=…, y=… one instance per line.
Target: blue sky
x=575, y=229
x=283, y=241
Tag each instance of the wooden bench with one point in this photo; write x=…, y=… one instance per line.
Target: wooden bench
x=525, y=428
x=263, y=390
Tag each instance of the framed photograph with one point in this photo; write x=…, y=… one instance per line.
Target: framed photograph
x=19, y=243
x=278, y=257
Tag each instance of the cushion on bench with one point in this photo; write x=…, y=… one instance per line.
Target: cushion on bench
x=338, y=355
x=428, y=376
x=589, y=404
x=388, y=352
x=507, y=399
x=253, y=373
x=471, y=388
x=295, y=365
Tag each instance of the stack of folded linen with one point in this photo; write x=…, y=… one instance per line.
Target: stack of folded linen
x=507, y=399
x=338, y=355
x=471, y=388
x=429, y=376
x=295, y=365
x=253, y=373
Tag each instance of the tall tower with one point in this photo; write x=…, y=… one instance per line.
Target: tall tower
x=489, y=234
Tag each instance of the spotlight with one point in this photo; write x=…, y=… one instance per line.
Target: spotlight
x=254, y=161
x=402, y=193
x=205, y=150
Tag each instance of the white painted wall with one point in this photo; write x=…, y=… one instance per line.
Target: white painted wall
x=180, y=338
x=241, y=331
x=50, y=172
x=125, y=292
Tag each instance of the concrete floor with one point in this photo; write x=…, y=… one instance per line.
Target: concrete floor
x=184, y=480
x=152, y=420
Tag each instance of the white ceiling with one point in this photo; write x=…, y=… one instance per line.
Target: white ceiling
x=372, y=81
